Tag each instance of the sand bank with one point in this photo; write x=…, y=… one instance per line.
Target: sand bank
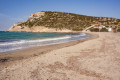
x=93, y=59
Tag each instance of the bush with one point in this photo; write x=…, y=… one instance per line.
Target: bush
x=77, y=29
x=118, y=30
x=103, y=30
x=94, y=29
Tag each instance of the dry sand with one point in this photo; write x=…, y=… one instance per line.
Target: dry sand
x=95, y=59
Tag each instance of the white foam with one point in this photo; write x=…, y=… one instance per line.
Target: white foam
x=33, y=41
x=16, y=45
x=82, y=34
x=11, y=49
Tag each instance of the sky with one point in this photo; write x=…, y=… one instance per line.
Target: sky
x=13, y=11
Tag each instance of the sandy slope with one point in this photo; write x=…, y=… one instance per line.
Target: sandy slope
x=97, y=59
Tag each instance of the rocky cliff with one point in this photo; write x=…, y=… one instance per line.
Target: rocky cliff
x=48, y=21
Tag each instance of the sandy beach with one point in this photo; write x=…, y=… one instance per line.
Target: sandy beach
x=97, y=58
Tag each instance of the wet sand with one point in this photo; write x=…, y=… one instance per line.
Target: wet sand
x=96, y=58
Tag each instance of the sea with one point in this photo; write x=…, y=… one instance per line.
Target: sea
x=13, y=41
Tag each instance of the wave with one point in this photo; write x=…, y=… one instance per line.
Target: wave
x=22, y=44
x=33, y=41
x=10, y=49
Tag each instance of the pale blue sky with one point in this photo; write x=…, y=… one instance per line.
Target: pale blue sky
x=12, y=11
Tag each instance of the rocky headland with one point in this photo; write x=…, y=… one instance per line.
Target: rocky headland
x=48, y=21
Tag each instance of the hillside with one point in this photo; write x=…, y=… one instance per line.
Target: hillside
x=56, y=21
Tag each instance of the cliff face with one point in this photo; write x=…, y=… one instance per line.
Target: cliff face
x=47, y=21
x=36, y=29
x=36, y=15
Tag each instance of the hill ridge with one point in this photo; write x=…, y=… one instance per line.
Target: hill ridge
x=62, y=21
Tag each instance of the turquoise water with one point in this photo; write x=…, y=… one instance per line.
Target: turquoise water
x=26, y=35
x=12, y=41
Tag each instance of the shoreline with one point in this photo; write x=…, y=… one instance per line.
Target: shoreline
x=7, y=58
x=47, y=32
x=96, y=58
x=36, y=39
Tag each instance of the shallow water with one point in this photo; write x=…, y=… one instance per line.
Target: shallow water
x=12, y=41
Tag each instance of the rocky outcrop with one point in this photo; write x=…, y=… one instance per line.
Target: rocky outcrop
x=36, y=15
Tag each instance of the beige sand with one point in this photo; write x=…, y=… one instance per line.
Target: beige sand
x=96, y=59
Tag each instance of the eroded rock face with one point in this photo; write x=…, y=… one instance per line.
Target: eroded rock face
x=37, y=15
x=17, y=28
x=36, y=29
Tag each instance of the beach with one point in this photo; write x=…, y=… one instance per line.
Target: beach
x=95, y=58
